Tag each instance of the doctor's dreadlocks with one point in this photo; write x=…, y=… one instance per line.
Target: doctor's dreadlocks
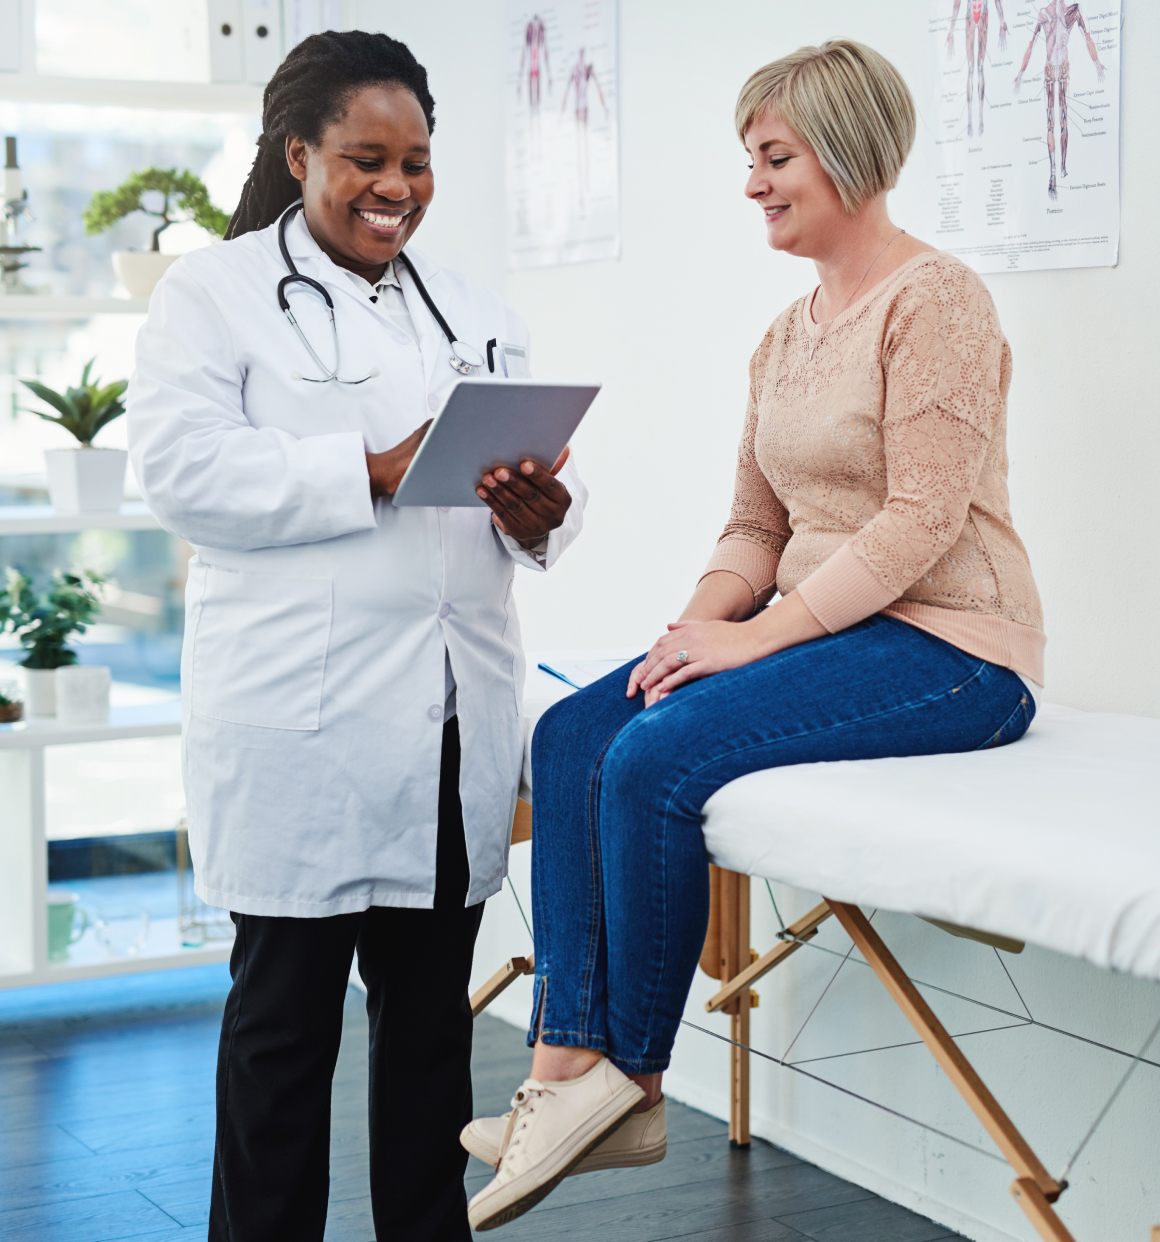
x=310, y=91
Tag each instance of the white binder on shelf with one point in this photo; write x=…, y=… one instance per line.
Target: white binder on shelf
x=301, y=18
x=225, y=40
x=11, y=36
x=261, y=39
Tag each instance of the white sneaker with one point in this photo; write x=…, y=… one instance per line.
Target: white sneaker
x=551, y=1128
x=641, y=1140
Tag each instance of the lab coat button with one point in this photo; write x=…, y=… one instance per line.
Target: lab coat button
x=433, y=401
x=444, y=508
x=445, y=611
x=436, y=713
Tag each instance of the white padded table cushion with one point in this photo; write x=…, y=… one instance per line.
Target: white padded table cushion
x=1054, y=840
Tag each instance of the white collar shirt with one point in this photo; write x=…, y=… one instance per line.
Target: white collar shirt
x=387, y=298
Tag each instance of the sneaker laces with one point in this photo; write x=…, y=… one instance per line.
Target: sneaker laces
x=523, y=1105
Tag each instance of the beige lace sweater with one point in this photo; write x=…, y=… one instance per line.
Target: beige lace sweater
x=872, y=473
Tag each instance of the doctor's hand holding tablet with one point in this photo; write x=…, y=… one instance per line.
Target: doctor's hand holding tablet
x=527, y=502
x=351, y=673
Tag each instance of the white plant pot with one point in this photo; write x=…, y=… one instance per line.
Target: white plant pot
x=82, y=694
x=140, y=270
x=40, y=691
x=86, y=480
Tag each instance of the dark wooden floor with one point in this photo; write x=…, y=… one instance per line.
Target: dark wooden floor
x=106, y=1132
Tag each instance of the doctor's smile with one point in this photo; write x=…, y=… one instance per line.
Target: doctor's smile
x=385, y=224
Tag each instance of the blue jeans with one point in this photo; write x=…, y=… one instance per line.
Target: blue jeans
x=620, y=888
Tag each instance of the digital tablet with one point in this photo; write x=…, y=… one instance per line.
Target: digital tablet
x=487, y=423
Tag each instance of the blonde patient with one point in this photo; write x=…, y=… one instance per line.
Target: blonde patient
x=869, y=597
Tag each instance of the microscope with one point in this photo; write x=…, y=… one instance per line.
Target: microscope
x=13, y=205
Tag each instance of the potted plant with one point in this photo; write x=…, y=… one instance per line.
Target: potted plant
x=84, y=479
x=43, y=624
x=11, y=702
x=181, y=192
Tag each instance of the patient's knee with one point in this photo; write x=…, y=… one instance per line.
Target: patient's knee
x=639, y=762
x=554, y=728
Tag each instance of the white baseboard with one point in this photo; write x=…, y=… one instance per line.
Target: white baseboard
x=839, y=1164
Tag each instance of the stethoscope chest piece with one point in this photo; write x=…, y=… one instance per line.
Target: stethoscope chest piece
x=465, y=358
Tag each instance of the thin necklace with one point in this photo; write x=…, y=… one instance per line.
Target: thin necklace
x=826, y=325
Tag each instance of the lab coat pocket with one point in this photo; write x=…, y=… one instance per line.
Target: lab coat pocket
x=259, y=651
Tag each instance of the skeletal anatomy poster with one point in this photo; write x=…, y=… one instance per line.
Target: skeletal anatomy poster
x=1024, y=123
x=563, y=149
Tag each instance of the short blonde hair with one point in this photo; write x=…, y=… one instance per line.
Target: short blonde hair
x=849, y=103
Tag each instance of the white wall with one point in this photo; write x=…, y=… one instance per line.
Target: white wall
x=669, y=328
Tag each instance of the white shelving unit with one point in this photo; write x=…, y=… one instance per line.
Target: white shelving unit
x=241, y=97
x=23, y=821
x=39, y=306
x=24, y=853
x=23, y=746
x=44, y=519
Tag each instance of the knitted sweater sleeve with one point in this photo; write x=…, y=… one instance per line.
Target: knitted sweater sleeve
x=942, y=360
x=758, y=528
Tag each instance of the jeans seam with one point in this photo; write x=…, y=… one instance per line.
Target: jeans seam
x=853, y=720
x=593, y=824
x=989, y=743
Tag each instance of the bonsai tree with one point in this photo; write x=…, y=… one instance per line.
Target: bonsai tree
x=82, y=411
x=182, y=192
x=44, y=623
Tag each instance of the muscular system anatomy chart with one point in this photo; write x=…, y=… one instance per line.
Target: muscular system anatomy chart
x=1025, y=132
x=562, y=134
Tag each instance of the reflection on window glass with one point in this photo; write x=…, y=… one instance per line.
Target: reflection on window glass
x=68, y=151
x=126, y=39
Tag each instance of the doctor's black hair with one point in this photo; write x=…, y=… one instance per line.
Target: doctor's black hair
x=310, y=91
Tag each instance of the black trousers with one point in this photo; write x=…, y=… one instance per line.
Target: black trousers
x=279, y=1044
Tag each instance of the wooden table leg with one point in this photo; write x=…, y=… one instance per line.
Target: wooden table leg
x=733, y=922
x=711, y=951
x=1040, y=1213
x=503, y=978
x=739, y=1022
x=1034, y=1189
x=797, y=934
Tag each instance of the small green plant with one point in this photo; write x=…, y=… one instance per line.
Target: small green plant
x=44, y=623
x=7, y=700
x=82, y=411
x=180, y=192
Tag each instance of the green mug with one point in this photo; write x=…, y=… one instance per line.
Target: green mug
x=62, y=912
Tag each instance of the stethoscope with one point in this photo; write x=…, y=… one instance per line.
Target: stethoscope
x=464, y=358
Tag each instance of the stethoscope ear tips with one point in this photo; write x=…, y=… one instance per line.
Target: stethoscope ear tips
x=374, y=373
x=296, y=376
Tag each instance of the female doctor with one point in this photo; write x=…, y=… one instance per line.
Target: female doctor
x=352, y=671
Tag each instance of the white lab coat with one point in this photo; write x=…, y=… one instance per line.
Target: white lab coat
x=318, y=622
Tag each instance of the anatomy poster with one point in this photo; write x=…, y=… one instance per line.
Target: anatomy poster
x=1025, y=127
x=563, y=150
